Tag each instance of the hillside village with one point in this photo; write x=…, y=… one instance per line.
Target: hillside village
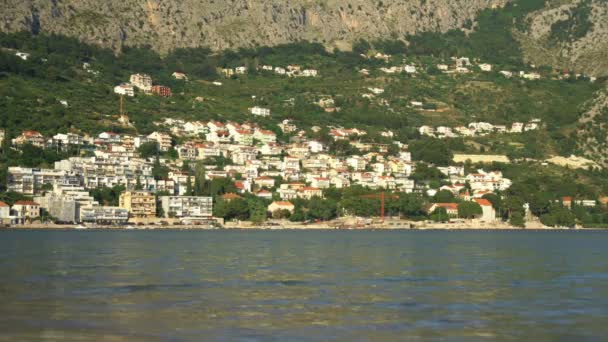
x=154, y=171
x=273, y=167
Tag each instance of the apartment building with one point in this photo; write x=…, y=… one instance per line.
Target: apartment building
x=187, y=206
x=140, y=204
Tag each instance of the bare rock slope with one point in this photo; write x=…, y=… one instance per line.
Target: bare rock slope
x=221, y=24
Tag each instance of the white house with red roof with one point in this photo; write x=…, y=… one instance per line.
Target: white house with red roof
x=265, y=136
x=26, y=210
x=281, y=205
x=488, y=211
x=30, y=137
x=265, y=194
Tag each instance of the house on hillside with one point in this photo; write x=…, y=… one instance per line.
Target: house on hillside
x=161, y=90
x=450, y=208
x=178, y=75
x=141, y=81
x=281, y=205
x=259, y=111
x=124, y=89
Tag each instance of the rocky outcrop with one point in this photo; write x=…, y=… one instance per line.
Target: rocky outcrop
x=219, y=24
x=571, y=35
x=592, y=135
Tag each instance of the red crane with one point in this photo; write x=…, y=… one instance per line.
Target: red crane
x=382, y=196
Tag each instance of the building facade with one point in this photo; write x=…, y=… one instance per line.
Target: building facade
x=187, y=206
x=140, y=204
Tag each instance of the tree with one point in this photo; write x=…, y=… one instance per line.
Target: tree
x=495, y=200
x=424, y=172
x=430, y=150
x=281, y=214
x=257, y=211
x=234, y=209
x=558, y=216
x=469, y=210
x=159, y=171
x=410, y=205
x=298, y=215
x=201, y=186
x=189, y=189
x=361, y=46
x=440, y=215
x=148, y=150
x=444, y=196
x=517, y=220
x=322, y=209
x=138, y=185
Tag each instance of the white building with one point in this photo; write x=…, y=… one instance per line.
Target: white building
x=310, y=73
x=124, y=89
x=164, y=140
x=376, y=91
x=259, y=111
x=142, y=81
x=485, y=67
x=104, y=215
x=23, y=55
x=410, y=69
x=187, y=206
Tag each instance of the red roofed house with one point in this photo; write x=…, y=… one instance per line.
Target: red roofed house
x=27, y=210
x=264, y=194
x=31, y=137
x=567, y=202
x=488, y=213
x=281, y=205
x=243, y=186
x=265, y=136
x=450, y=208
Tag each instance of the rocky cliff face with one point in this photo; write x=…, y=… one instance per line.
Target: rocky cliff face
x=572, y=35
x=223, y=24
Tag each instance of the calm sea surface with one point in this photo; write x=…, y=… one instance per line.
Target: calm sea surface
x=285, y=285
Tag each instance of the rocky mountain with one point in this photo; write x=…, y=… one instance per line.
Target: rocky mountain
x=592, y=133
x=572, y=35
x=221, y=24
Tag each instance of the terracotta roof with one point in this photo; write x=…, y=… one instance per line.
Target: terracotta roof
x=483, y=202
x=283, y=203
x=30, y=133
x=26, y=203
x=448, y=206
x=2, y=204
x=231, y=196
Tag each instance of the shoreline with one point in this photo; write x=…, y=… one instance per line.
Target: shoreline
x=290, y=228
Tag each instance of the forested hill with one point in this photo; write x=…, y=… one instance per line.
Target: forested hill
x=565, y=34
